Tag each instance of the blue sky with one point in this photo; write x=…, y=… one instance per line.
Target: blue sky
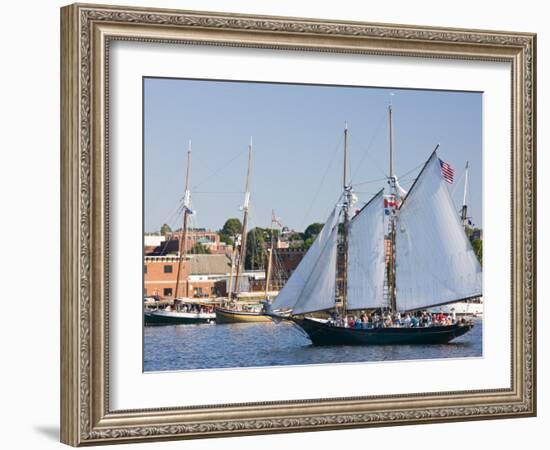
x=297, y=133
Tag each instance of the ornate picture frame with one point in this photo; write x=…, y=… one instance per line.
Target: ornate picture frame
x=86, y=34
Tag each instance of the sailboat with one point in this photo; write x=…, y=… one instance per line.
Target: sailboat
x=424, y=259
x=234, y=311
x=184, y=310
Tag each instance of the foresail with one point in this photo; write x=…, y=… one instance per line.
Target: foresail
x=365, y=282
x=435, y=262
x=290, y=293
x=319, y=291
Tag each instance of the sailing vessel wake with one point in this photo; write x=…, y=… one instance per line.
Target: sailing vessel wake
x=430, y=262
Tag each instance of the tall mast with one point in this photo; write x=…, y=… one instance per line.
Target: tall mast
x=242, y=252
x=183, y=234
x=269, y=256
x=464, y=212
x=391, y=181
x=233, y=257
x=347, y=200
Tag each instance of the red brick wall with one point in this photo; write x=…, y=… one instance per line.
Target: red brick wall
x=156, y=280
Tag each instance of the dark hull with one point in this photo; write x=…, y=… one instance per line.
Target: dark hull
x=324, y=334
x=153, y=319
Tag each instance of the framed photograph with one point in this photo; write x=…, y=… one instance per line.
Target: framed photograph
x=276, y=224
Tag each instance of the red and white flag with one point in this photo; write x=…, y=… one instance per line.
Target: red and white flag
x=275, y=220
x=447, y=171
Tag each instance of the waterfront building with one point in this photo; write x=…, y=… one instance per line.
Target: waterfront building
x=202, y=276
x=169, y=244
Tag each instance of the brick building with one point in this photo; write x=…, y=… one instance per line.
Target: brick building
x=202, y=276
x=170, y=244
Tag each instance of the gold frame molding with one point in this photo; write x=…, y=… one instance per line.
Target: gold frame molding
x=86, y=31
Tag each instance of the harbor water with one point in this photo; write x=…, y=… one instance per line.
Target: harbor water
x=211, y=346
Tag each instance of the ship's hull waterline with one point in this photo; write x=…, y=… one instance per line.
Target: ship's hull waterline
x=229, y=316
x=325, y=334
x=175, y=318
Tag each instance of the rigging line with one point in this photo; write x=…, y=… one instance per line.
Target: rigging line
x=378, y=180
x=369, y=145
x=308, y=211
x=170, y=216
x=455, y=185
x=410, y=171
x=218, y=170
x=218, y=192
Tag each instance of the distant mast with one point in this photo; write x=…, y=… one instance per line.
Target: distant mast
x=392, y=208
x=269, y=257
x=183, y=235
x=464, y=212
x=242, y=251
x=347, y=200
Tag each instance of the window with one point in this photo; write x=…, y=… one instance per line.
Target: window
x=168, y=291
x=167, y=269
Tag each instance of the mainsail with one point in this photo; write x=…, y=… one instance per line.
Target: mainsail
x=297, y=285
x=366, y=262
x=435, y=262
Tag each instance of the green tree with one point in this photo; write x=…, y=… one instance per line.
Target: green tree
x=474, y=235
x=310, y=233
x=477, y=245
x=165, y=229
x=255, y=246
x=199, y=249
x=308, y=242
x=312, y=230
x=230, y=228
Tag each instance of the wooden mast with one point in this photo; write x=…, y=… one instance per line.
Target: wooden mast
x=269, y=257
x=183, y=235
x=393, y=209
x=347, y=200
x=242, y=252
x=464, y=212
x=230, y=290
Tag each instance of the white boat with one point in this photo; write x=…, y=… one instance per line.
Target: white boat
x=163, y=316
x=473, y=308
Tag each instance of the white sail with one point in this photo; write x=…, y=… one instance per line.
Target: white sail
x=289, y=295
x=435, y=262
x=365, y=282
x=319, y=291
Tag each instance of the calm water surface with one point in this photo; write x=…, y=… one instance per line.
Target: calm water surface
x=209, y=346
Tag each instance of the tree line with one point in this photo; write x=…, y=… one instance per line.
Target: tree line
x=257, y=239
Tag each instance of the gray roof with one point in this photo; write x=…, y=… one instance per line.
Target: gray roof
x=209, y=265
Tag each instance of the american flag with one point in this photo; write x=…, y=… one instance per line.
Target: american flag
x=447, y=171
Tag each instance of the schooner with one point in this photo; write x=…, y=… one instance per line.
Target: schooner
x=419, y=259
x=184, y=310
x=232, y=312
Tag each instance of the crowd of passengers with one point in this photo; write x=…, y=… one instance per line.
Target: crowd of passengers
x=386, y=319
